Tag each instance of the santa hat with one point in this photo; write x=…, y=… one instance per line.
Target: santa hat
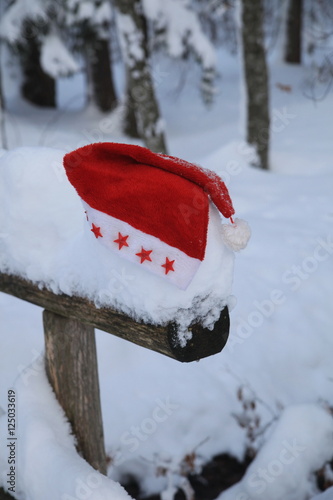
x=150, y=208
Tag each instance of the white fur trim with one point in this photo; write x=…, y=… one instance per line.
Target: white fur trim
x=184, y=266
x=236, y=235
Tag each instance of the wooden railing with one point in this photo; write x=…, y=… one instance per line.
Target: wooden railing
x=71, y=360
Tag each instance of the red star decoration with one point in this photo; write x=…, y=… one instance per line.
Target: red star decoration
x=122, y=241
x=97, y=231
x=168, y=265
x=144, y=255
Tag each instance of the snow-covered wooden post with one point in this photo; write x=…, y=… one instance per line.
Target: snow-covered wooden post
x=70, y=352
x=71, y=367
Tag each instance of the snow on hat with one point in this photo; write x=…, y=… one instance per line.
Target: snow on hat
x=150, y=208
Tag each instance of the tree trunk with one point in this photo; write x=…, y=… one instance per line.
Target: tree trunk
x=140, y=84
x=256, y=80
x=293, y=48
x=37, y=87
x=130, y=126
x=3, y=133
x=104, y=94
x=71, y=367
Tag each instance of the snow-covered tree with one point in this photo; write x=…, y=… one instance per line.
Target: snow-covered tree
x=29, y=28
x=317, y=47
x=131, y=26
x=256, y=79
x=89, y=24
x=217, y=17
x=176, y=28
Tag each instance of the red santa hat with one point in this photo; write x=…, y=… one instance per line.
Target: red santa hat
x=150, y=208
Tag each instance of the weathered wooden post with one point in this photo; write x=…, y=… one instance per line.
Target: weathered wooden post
x=71, y=367
x=70, y=353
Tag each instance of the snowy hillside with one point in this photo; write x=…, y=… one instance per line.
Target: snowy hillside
x=274, y=377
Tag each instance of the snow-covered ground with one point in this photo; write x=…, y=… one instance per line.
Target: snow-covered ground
x=276, y=371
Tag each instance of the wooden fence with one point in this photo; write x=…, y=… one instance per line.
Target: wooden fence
x=71, y=360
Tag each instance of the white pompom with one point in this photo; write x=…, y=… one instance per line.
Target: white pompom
x=236, y=235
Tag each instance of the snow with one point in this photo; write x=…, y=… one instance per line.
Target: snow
x=280, y=347
x=299, y=444
x=55, y=59
x=182, y=25
x=103, y=13
x=97, y=13
x=46, y=450
x=130, y=39
x=326, y=495
x=14, y=16
x=85, y=10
